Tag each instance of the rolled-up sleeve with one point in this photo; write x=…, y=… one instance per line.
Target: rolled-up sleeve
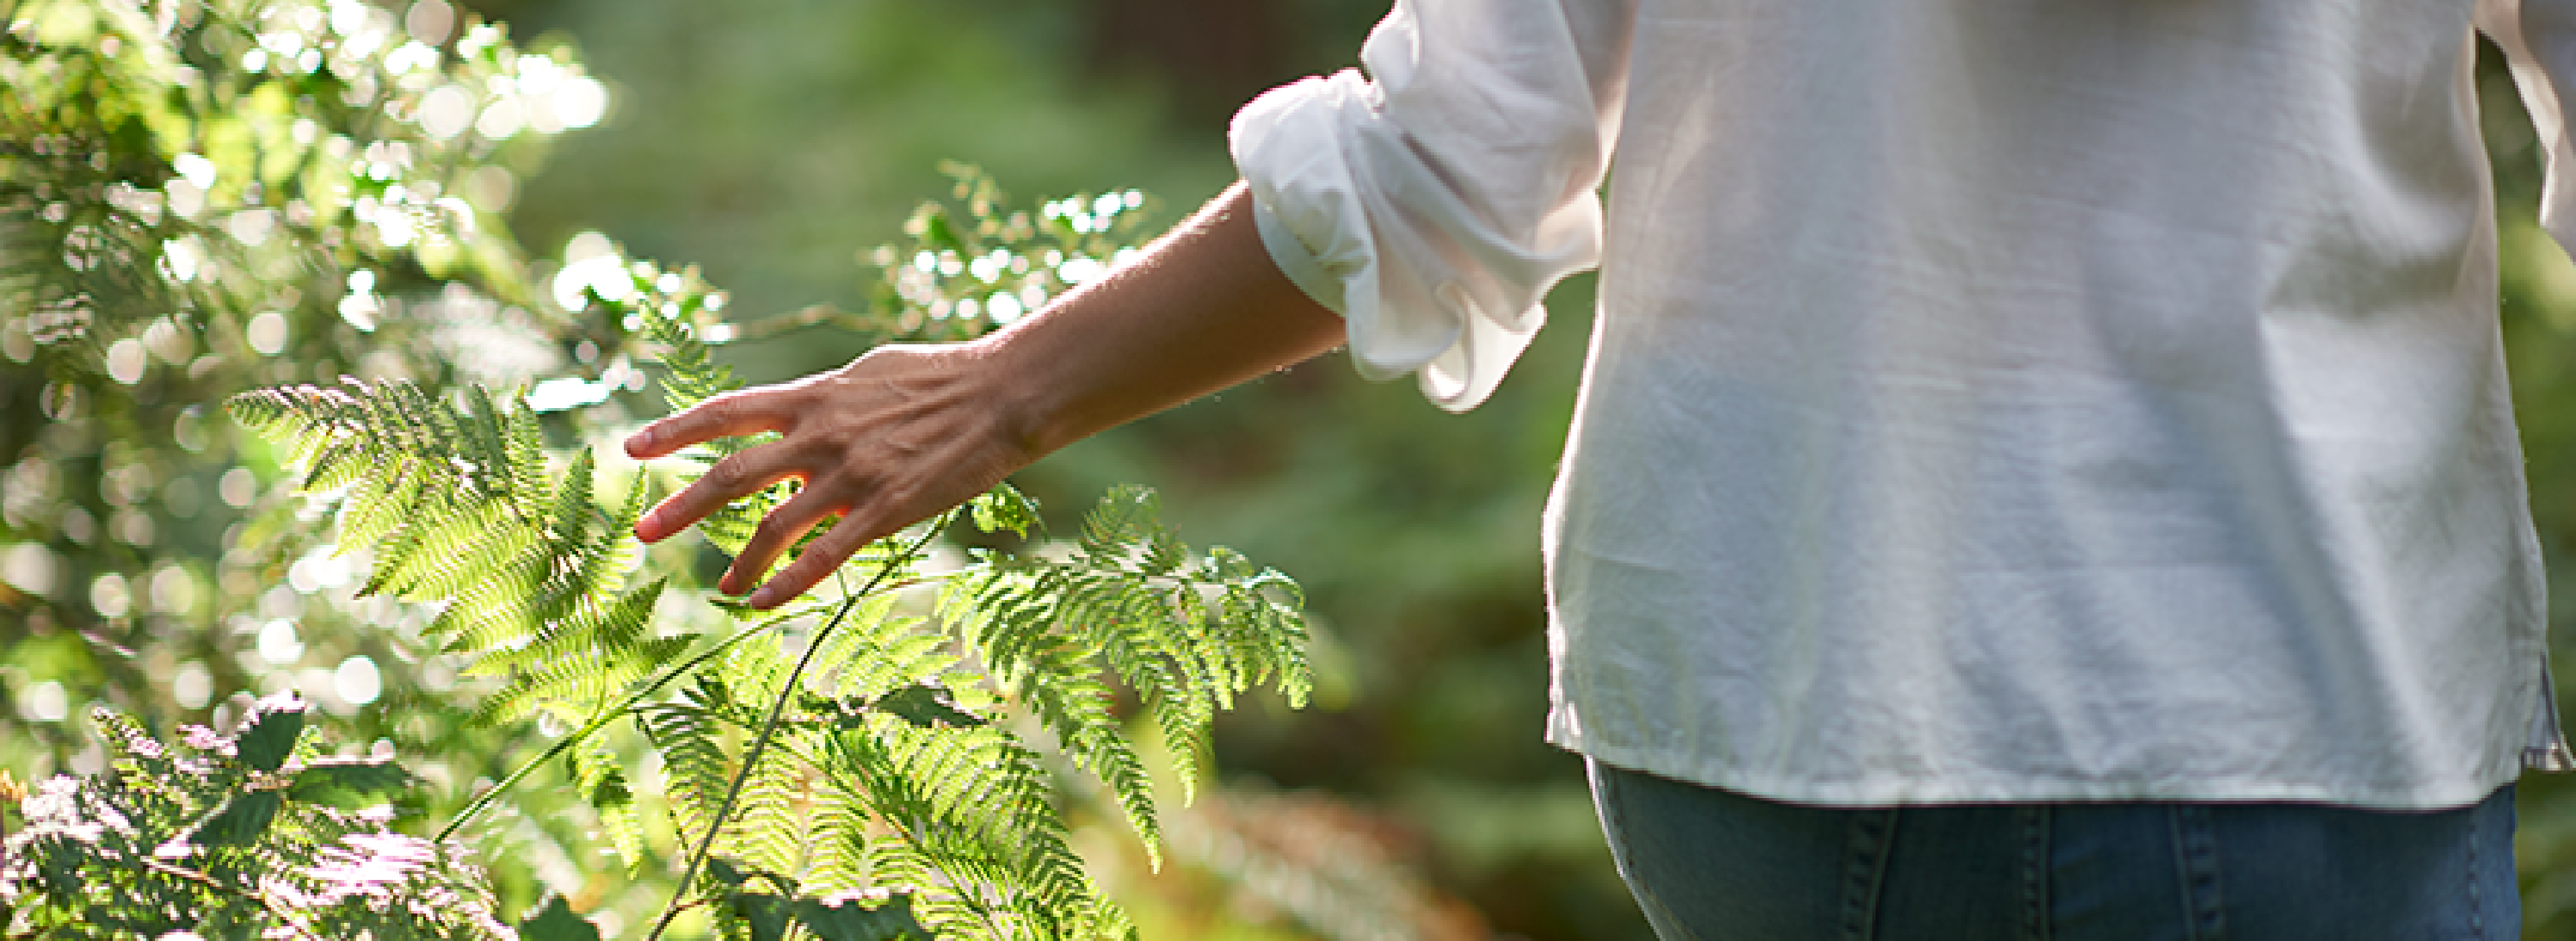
x=1434, y=200
x=2538, y=38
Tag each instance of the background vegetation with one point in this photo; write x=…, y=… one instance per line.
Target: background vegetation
x=775, y=143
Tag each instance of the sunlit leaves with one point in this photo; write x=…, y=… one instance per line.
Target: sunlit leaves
x=236, y=835
x=272, y=733
x=976, y=264
x=851, y=742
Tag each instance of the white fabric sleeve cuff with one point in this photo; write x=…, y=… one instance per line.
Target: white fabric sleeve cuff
x=2538, y=39
x=1434, y=200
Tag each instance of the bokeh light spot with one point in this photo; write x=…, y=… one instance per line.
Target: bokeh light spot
x=192, y=686
x=196, y=169
x=446, y=111
x=109, y=596
x=430, y=21
x=131, y=527
x=501, y=119
x=30, y=568
x=580, y=101
x=1002, y=307
x=237, y=488
x=490, y=189
x=357, y=680
x=45, y=702
x=1079, y=270
x=318, y=571
x=174, y=591
x=278, y=643
x=266, y=332
x=125, y=361
x=591, y=262
x=568, y=392
x=252, y=227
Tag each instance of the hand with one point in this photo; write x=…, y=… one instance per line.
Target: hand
x=900, y=434
x=908, y=431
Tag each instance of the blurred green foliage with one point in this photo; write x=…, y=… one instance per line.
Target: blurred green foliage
x=197, y=199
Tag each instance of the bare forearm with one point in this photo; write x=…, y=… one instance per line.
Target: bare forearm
x=907, y=431
x=1203, y=308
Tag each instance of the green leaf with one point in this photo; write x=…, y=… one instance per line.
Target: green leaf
x=241, y=821
x=603, y=786
x=556, y=922
x=1005, y=508
x=726, y=873
x=766, y=914
x=851, y=921
x=926, y=707
x=346, y=783
x=272, y=733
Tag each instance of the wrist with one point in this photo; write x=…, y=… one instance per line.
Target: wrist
x=1027, y=399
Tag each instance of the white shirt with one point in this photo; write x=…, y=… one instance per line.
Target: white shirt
x=1990, y=400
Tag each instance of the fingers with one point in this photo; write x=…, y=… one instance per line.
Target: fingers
x=729, y=480
x=776, y=532
x=819, y=559
x=745, y=412
x=897, y=435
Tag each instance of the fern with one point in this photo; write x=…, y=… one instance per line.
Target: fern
x=1188, y=634
x=865, y=739
x=459, y=505
x=239, y=835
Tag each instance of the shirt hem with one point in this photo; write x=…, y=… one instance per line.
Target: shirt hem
x=2444, y=795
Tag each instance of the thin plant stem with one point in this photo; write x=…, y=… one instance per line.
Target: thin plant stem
x=769, y=726
x=484, y=801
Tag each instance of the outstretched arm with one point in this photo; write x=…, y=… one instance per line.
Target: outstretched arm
x=906, y=431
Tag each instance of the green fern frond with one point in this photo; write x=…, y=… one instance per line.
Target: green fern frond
x=1075, y=707
x=602, y=781
x=695, y=768
x=1187, y=634
x=577, y=553
x=458, y=502
x=695, y=376
x=879, y=651
x=692, y=375
x=582, y=665
x=840, y=844
x=430, y=563
x=771, y=820
x=982, y=847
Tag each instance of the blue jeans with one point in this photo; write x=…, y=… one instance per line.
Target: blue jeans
x=1710, y=865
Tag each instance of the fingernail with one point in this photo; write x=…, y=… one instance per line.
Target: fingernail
x=639, y=442
x=763, y=598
